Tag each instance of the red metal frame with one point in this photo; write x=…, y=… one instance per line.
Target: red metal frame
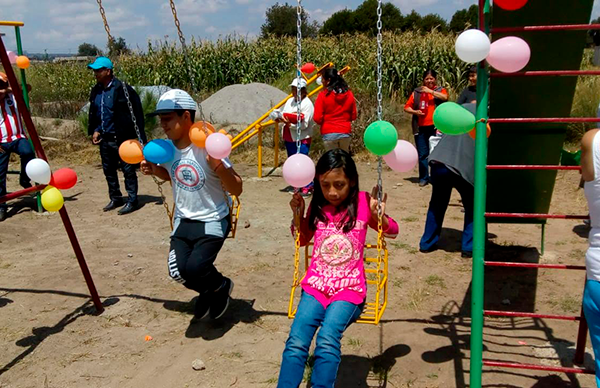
x=546, y=73
x=496, y=313
x=21, y=193
x=532, y=167
x=37, y=144
x=535, y=215
x=565, y=27
x=537, y=367
x=532, y=265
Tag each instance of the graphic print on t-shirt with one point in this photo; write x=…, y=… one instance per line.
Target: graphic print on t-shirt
x=336, y=250
x=188, y=175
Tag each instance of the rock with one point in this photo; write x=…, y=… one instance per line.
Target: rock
x=246, y=224
x=130, y=255
x=198, y=364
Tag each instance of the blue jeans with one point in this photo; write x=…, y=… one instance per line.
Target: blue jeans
x=333, y=322
x=591, y=309
x=22, y=148
x=292, y=149
x=422, y=143
x=443, y=180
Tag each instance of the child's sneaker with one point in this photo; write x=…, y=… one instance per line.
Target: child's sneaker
x=202, y=306
x=306, y=192
x=220, y=299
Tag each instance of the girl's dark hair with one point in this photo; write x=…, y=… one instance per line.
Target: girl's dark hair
x=430, y=72
x=336, y=158
x=337, y=83
x=473, y=70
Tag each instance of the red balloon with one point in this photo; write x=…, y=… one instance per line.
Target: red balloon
x=510, y=5
x=63, y=178
x=308, y=68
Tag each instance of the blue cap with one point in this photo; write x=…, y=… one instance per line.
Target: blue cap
x=101, y=63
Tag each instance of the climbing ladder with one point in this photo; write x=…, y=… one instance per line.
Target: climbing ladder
x=481, y=217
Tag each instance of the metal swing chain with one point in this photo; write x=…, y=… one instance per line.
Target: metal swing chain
x=299, y=74
x=106, y=27
x=185, y=55
x=380, y=240
x=139, y=136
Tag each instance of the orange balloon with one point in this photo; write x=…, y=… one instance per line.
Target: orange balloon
x=199, y=131
x=22, y=62
x=489, y=132
x=131, y=152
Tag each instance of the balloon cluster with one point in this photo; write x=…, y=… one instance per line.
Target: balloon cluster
x=507, y=55
x=21, y=61
x=39, y=171
x=159, y=151
x=381, y=138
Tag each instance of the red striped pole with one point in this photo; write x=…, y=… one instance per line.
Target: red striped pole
x=20, y=193
x=559, y=27
x=535, y=215
x=547, y=73
x=532, y=265
x=537, y=367
x=546, y=120
x=532, y=167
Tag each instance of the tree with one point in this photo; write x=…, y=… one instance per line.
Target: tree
x=88, y=50
x=281, y=21
x=339, y=23
x=412, y=21
x=432, y=21
x=464, y=19
x=118, y=47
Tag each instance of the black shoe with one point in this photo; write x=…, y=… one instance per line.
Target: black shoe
x=112, y=205
x=220, y=299
x=3, y=213
x=202, y=306
x=128, y=208
x=423, y=183
x=466, y=255
x=434, y=248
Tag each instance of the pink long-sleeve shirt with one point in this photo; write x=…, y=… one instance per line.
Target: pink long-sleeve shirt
x=337, y=271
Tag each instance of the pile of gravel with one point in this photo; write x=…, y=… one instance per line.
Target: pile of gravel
x=241, y=104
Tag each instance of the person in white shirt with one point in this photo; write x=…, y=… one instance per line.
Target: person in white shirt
x=288, y=115
x=202, y=220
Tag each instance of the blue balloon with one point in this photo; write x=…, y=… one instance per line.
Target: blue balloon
x=159, y=151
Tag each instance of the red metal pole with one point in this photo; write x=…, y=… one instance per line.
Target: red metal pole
x=546, y=120
x=21, y=193
x=534, y=215
x=531, y=265
x=537, y=367
x=494, y=313
x=566, y=27
x=546, y=73
x=37, y=144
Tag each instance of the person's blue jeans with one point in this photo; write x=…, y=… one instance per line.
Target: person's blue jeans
x=591, y=309
x=24, y=150
x=443, y=181
x=333, y=322
x=292, y=149
x=422, y=143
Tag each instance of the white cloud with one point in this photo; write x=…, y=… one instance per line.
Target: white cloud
x=243, y=1
x=210, y=29
x=49, y=36
x=321, y=15
x=406, y=5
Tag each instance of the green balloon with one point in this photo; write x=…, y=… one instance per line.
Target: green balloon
x=452, y=119
x=381, y=138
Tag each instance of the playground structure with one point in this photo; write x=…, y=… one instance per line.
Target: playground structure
x=258, y=127
x=22, y=102
x=522, y=173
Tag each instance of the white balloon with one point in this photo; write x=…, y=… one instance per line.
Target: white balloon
x=472, y=46
x=38, y=171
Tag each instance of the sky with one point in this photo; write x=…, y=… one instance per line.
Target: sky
x=60, y=26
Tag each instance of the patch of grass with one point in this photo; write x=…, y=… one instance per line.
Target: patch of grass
x=410, y=219
x=232, y=355
x=398, y=282
x=576, y=254
x=435, y=281
x=57, y=122
x=404, y=246
x=270, y=381
x=567, y=304
x=310, y=362
x=354, y=342
x=416, y=298
x=559, y=243
x=432, y=376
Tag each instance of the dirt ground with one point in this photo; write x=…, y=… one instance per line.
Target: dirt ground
x=51, y=337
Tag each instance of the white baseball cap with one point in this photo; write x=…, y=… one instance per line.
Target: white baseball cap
x=302, y=83
x=174, y=99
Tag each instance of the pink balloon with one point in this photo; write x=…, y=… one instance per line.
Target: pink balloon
x=509, y=54
x=12, y=57
x=218, y=145
x=298, y=170
x=403, y=158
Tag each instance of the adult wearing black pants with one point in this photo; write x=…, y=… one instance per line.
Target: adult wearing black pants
x=110, y=124
x=421, y=105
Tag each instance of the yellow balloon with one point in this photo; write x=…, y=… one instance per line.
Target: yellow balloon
x=52, y=199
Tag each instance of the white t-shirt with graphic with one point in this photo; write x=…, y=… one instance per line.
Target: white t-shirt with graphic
x=197, y=189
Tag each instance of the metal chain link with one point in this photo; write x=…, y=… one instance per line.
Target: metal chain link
x=379, y=63
x=380, y=241
x=185, y=55
x=106, y=27
x=299, y=74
